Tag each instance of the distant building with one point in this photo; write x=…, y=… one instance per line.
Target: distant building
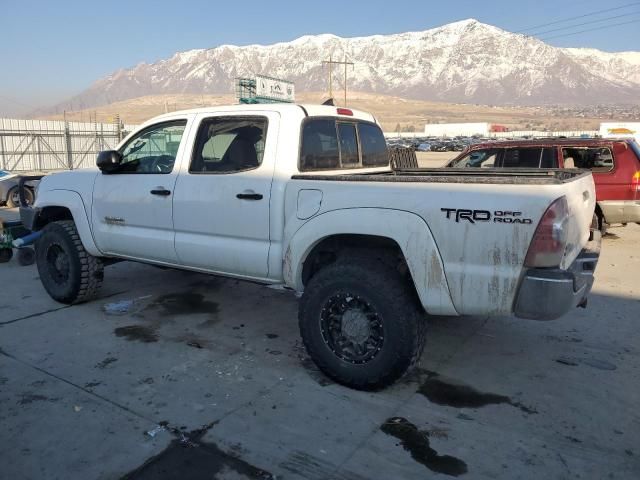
x=620, y=129
x=481, y=129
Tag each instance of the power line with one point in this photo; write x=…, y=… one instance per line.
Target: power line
x=568, y=19
x=584, y=23
x=591, y=29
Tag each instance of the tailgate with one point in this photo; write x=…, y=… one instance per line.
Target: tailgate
x=581, y=199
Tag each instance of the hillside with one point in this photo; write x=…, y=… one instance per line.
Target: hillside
x=389, y=110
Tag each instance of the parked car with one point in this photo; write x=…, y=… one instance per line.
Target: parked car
x=9, y=195
x=615, y=164
x=302, y=196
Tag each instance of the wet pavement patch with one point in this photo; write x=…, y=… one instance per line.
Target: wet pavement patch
x=271, y=336
x=416, y=442
x=185, y=303
x=106, y=362
x=137, y=333
x=442, y=392
x=591, y=362
x=28, y=398
x=187, y=458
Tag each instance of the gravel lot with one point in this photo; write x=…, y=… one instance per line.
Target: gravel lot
x=180, y=375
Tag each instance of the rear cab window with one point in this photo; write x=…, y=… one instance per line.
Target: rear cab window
x=334, y=144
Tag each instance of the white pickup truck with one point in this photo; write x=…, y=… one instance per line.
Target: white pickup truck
x=303, y=196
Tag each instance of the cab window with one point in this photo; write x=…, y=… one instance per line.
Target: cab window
x=229, y=144
x=154, y=149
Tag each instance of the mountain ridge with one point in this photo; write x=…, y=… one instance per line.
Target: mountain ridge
x=466, y=62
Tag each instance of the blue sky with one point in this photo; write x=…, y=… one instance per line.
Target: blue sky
x=50, y=50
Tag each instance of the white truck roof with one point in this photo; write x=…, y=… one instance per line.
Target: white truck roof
x=283, y=108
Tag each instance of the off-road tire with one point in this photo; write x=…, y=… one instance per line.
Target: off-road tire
x=80, y=275
x=28, y=194
x=391, y=296
x=26, y=256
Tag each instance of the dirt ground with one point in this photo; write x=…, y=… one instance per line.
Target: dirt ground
x=172, y=374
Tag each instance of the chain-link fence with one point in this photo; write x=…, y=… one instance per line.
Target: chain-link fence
x=45, y=145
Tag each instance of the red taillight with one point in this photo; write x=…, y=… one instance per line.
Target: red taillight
x=550, y=238
x=345, y=111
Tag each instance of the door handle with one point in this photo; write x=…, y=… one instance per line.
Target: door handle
x=249, y=195
x=163, y=192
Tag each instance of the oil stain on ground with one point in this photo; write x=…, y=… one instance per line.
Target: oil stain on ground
x=442, y=392
x=137, y=333
x=416, y=442
x=189, y=458
x=184, y=303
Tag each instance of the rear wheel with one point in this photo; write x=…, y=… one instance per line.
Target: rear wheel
x=13, y=197
x=361, y=323
x=68, y=273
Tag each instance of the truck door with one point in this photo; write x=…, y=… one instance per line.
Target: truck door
x=132, y=213
x=221, y=205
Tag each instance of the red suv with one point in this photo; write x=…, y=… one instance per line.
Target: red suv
x=615, y=164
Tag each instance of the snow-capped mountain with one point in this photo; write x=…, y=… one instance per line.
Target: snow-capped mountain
x=466, y=61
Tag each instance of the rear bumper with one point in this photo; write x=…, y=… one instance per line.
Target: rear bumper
x=547, y=294
x=620, y=211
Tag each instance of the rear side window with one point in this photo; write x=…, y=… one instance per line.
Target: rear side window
x=597, y=159
x=328, y=144
x=529, y=158
x=229, y=144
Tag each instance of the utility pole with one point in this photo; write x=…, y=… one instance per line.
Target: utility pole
x=332, y=62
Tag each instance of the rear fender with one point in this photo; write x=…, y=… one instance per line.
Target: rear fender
x=408, y=230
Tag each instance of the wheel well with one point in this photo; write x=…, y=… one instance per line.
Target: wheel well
x=599, y=211
x=52, y=214
x=330, y=249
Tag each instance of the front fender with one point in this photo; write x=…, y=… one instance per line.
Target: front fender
x=408, y=230
x=73, y=202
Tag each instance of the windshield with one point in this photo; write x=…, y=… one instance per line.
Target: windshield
x=3, y=173
x=478, y=158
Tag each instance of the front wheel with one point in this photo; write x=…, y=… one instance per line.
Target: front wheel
x=68, y=273
x=361, y=323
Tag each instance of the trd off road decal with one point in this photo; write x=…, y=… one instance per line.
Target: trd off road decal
x=473, y=216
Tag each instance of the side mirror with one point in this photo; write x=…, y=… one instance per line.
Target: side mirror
x=109, y=160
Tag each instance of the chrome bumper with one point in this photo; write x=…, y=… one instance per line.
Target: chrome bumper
x=549, y=293
x=620, y=211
